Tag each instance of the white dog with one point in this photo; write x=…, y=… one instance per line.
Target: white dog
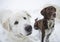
x=17, y=25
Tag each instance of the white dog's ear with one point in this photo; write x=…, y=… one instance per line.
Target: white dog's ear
x=27, y=13
x=6, y=25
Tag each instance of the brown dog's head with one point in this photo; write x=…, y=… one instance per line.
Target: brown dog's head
x=49, y=12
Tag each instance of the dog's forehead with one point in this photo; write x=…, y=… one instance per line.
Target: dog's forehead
x=51, y=8
x=18, y=16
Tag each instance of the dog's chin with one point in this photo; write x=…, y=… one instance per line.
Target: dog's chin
x=20, y=35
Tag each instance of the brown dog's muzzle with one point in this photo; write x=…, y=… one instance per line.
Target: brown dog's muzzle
x=54, y=15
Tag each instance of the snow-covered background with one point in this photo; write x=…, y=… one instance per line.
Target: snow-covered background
x=33, y=7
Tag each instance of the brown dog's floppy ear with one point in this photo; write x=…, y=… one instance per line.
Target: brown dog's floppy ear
x=6, y=25
x=43, y=11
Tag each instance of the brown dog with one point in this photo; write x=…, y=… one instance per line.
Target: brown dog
x=46, y=25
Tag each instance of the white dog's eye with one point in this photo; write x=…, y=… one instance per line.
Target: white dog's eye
x=16, y=22
x=24, y=18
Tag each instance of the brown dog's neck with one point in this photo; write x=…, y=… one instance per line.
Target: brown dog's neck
x=45, y=18
x=45, y=23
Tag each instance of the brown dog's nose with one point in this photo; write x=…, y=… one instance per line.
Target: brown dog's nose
x=28, y=28
x=54, y=15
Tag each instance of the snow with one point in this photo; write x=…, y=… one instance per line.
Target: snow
x=33, y=7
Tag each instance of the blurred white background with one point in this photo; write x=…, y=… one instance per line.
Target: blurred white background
x=26, y=4
x=33, y=7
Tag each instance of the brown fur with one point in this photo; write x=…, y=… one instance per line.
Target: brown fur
x=42, y=24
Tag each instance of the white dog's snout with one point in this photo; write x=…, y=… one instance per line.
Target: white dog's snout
x=28, y=28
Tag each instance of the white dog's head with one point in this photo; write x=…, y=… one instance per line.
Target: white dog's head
x=18, y=23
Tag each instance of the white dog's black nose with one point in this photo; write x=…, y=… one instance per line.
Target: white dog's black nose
x=28, y=28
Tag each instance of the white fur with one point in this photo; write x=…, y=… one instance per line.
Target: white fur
x=49, y=30
x=15, y=33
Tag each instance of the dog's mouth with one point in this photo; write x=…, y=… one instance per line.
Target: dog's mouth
x=23, y=36
x=20, y=35
x=29, y=33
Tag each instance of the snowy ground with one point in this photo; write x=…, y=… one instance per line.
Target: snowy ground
x=33, y=7
x=55, y=37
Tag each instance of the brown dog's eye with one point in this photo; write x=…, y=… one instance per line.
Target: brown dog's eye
x=24, y=18
x=16, y=22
